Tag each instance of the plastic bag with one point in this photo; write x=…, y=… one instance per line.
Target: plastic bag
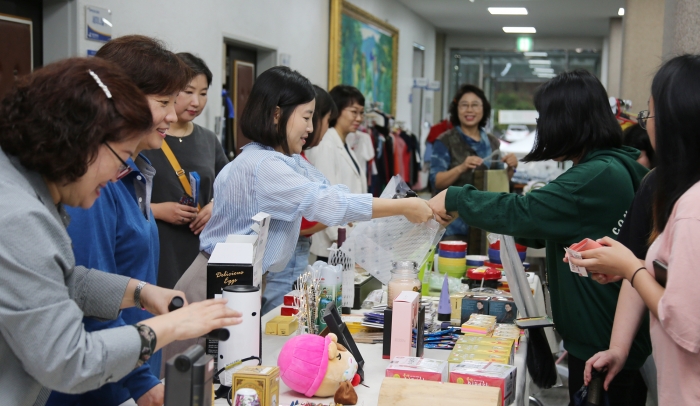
x=375, y=244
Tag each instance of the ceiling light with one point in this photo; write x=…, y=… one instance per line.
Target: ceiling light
x=546, y=75
x=538, y=54
x=543, y=70
x=539, y=62
x=621, y=11
x=508, y=11
x=519, y=30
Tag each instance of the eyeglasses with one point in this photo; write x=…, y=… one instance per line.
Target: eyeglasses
x=642, y=118
x=474, y=106
x=356, y=113
x=124, y=168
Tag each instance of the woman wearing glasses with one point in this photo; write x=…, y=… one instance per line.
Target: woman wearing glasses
x=336, y=160
x=119, y=233
x=665, y=283
x=465, y=148
x=588, y=200
x=64, y=132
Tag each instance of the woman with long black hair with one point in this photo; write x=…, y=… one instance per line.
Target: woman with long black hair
x=666, y=281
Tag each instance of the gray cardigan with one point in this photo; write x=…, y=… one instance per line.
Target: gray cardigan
x=44, y=296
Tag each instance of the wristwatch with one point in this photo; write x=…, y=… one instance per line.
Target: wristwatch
x=137, y=294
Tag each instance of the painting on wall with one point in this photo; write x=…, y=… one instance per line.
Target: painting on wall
x=363, y=53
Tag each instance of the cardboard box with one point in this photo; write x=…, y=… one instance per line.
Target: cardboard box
x=504, y=309
x=487, y=374
x=456, y=306
x=417, y=368
x=482, y=340
x=287, y=325
x=271, y=327
x=457, y=358
x=264, y=380
x=474, y=304
x=238, y=261
x=404, y=317
x=281, y=325
x=505, y=350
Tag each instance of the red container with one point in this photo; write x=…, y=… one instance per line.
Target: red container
x=454, y=246
x=497, y=246
x=492, y=265
x=487, y=274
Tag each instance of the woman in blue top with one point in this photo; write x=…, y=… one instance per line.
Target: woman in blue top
x=270, y=176
x=119, y=233
x=467, y=147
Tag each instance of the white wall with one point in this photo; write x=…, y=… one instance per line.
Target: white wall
x=299, y=28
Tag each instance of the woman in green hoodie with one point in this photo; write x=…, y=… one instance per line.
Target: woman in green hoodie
x=588, y=200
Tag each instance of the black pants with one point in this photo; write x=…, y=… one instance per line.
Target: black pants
x=626, y=389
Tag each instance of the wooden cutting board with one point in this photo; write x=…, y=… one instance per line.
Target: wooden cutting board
x=411, y=392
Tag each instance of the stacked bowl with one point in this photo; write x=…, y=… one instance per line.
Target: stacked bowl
x=495, y=252
x=452, y=258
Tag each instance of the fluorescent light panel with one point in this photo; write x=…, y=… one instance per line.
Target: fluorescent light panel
x=519, y=30
x=539, y=62
x=621, y=11
x=543, y=70
x=546, y=75
x=508, y=11
x=537, y=54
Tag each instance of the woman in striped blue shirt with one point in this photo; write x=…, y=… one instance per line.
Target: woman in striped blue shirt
x=270, y=176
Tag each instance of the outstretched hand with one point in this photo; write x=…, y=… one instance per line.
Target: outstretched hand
x=437, y=205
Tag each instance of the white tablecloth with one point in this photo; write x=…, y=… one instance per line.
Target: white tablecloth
x=375, y=365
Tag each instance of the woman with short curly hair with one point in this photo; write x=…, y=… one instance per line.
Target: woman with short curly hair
x=65, y=132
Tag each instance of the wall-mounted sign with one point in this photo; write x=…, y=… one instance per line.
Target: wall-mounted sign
x=285, y=60
x=434, y=85
x=98, y=23
x=421, y=83
x=91, y=52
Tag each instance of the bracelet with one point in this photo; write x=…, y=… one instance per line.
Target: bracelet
x=635, y=274
x=137, y=294
x=148, y=343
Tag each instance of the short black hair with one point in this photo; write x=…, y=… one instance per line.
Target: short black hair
x=636, y=137
x=675, y=91
x=324, y=105
x=276, y=87
x=56, y=119
x=464, y=89
x=574, y=118
x=154, y=69
x=197, y=65
x=345, y=96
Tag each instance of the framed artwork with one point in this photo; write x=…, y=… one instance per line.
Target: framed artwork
x=363, y=53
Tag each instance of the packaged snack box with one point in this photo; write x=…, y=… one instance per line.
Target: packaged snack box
x=417, y=368
x=487, y=374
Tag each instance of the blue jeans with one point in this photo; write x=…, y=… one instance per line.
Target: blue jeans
x=278, y=284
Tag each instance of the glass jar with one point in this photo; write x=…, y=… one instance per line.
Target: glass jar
x=404, y=277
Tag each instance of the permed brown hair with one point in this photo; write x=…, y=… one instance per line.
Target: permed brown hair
x=454, y=105
x=56, y=119
x=154, y=69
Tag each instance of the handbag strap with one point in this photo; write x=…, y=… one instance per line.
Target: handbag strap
x=179, y=172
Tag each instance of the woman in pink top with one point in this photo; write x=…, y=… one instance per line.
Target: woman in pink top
x=667, y=281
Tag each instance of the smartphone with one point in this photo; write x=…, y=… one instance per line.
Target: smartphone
x=660, y=272
x=187, y=200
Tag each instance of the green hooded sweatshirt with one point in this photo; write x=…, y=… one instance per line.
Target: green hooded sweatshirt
x=589, y=200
